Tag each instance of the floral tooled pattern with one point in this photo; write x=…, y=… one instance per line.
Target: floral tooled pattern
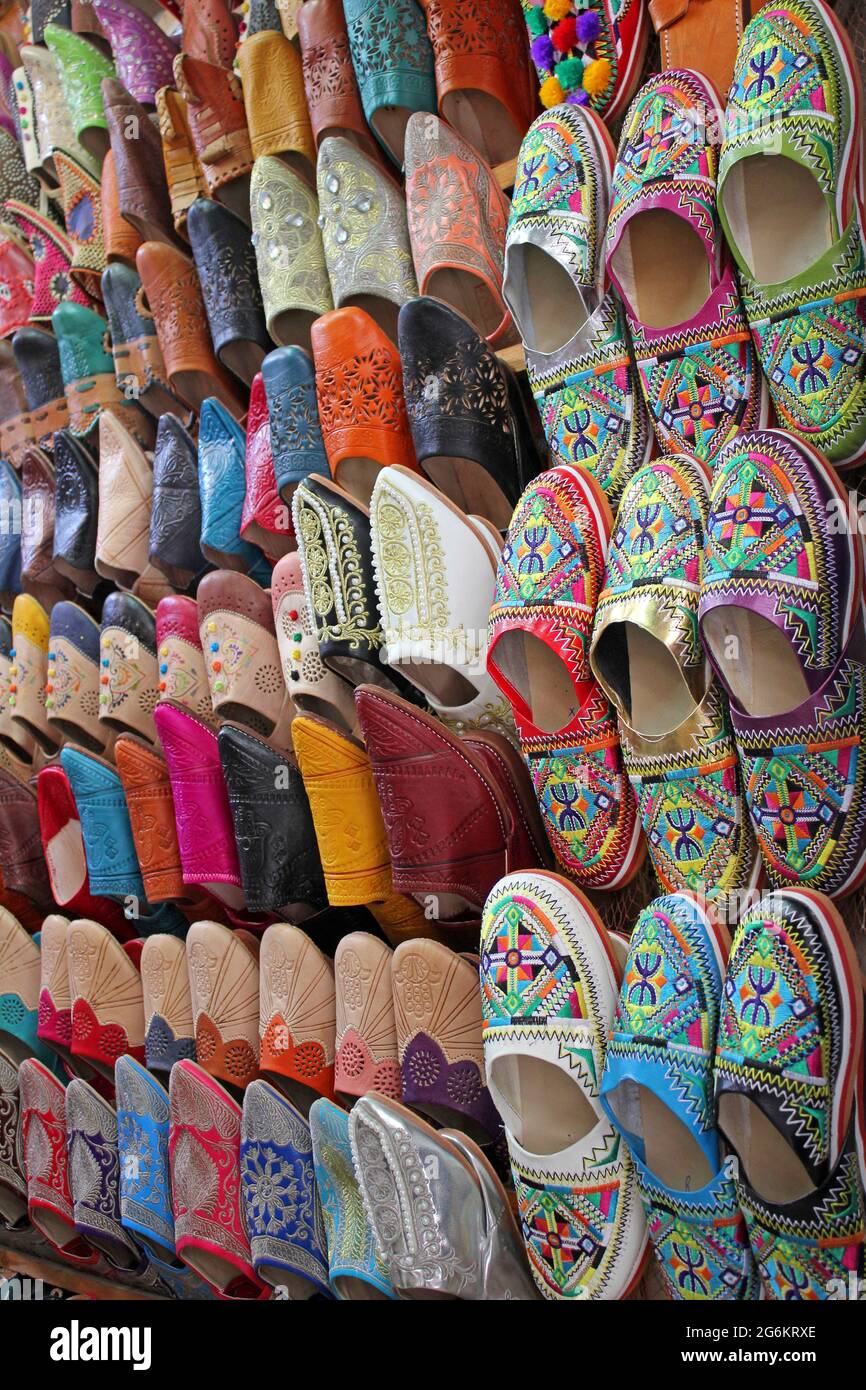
x=390, y=39
x=328, y=71
x=296, y=435
x=231, y=281
x=289, y=251
x=364, y=391
x=468, y=385
x=334, y=580
x=363, y=221
x=11, y=1151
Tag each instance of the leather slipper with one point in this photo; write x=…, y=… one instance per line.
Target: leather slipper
x=43, y=1132
x=182, y=674
x=236, y=627
x=128, y=681
x=107, y=1005
x=266, y=520
x=289, y=251
x=297, y=1019
x=367, y=1056
x=169, y=1029
x=312, y=687
x=224, y=989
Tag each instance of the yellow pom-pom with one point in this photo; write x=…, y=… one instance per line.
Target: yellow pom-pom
x=551, y=92
x=557, y=9
x=596, y=77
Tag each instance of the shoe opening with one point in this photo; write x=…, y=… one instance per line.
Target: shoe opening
x=662, y=268
x=755, y=660
x=778, y=218
x=550, y=310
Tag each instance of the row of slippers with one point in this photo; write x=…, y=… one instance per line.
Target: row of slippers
x=399, y=598
x=624, y=1072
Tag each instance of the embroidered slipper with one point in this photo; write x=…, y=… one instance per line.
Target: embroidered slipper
x=81, y=200
x=675, y=731
x=780, y=616
x=76, y=511
x=147, y=787
x=697, y=364
x=280, y=866
x=272, y=77
x=356, y=1269
x=21, y=854
x=440, y=1215
x=236, y=628
x=142, y=51
x=657, y=1088
x=82, y=66
x=51, y=112
x=94, y=1178
x=548, y=992
x=208, y=853
x=435, y=579
x=457, y=221
x=484, y=79
x=573, y=329
x=791, y=205
x=393, y=63
x=107, y=1004
x=458, y=813
x=20, y=983
x=174, y=536
x=266, y=520
x=588, y=57
x=51, y=250
x=182, y=674
x=438, y=1018
x=222, y=488
x=43, y=1135
x=281, y=1207
x=16, y=739
x=224, y=988
x=366, y=1040
x=204, y=1159
x=13, y=1181
x=289, y=251
x=359, y=389
x=312, y=687
x=143, y=1120
x=128, y=693
x=112, y=865
x=470, y=424
x=297, y=1019
x=550, y=575
x=225, y=262
x=17, y=276
x=788, y=1072
x=365, y=233
x=169, y=1029
x=334, y=542
x=29, y=671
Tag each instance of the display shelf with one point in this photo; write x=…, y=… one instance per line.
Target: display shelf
x=513, y=357
x=63, y=1276
x=506, y=173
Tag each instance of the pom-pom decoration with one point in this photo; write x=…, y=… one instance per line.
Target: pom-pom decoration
x=563, y=35
x=557, y=9
x=596, y=77
x=551, y=93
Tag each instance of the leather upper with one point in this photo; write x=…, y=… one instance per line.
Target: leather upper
x=112, y=865
x=38, y=359
x=107, y=1004
x=329, y=78
x=236, y=626
x=217, y=123
x=296, y=436
x=143, y=53
x=182, y=674
x=276, y=106
x=226, y=265
x=222, y=488
x=82, y=213
x=142, y=191
x=21, y=853
x=76, y=510
x=224, y=989
x=138, y=361
x=297, y=1019
x=309, y=682
x=10, y=539
x=289, y=251
x=183, y=172
x=128, y=680
x=147, y=785
x=82, y=67
x=169, y=1029
x=266, y=520
x=38, y=572
x=281, y=870
x=122, y=240
x=174, y=544
x=125, y=492
x=72, y=686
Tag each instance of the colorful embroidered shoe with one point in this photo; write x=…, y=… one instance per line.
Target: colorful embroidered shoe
x=695, y=358
x=548, y=995
x=281, y=1207
x=435, y=577
x=674, y=727
x=791, y=205
x=573, y=328
x=145, y=1182
x=393, y=64
x=587, y=56
x=780, y=617
x=82, y=67
x=356, y=1269
x=657, y=1088
x=94, y=1179
x=289, y=251
x=441, y=1216
x=789, y=1070
x=182, y=673
x=143, y=53
x=204, y=1155
x=549, y=579
x=43, y=1137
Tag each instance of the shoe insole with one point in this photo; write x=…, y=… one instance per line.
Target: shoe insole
x=382, y=311
x=645, y=677
x=469, y=295
x=484, y=122
x=662, y=266
x=541, y=678
x=390, y=123
x=471, y=487
x=778, y=216
x=671, y=1151
x=243, y=358
x=756, y=659
x=357, y=476
x=440, y=683
x=770, y=1165
x=292, y=327
x=547, y=1110
x=548, y=308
